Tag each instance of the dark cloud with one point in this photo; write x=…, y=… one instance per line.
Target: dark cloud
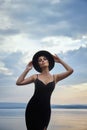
x=43, y=18
x=11, y=62
x=78, y=60
x=9, y=31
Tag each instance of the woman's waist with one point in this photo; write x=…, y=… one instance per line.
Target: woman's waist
x=40, y=101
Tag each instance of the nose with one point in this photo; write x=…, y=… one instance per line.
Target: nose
x=42, y=60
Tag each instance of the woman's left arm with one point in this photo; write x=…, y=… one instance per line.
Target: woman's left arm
x=65, y=74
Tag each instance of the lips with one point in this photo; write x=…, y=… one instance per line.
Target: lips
x=43, y=63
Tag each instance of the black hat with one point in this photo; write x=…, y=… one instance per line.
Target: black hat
x=47, y=55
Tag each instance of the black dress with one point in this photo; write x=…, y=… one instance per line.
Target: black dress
x=38, y=110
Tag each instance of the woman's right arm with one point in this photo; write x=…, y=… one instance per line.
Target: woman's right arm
x=22, y=80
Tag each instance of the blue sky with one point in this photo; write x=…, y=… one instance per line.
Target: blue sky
x=58, y=26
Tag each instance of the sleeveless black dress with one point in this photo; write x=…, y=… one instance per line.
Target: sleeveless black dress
x=38, y=110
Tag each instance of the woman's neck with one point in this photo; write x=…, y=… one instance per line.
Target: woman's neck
x=45, y=71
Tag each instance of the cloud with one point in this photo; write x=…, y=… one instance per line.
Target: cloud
x=4, y=70
x=71, y=90
x=58, y=26
x=51, y=24
x=63, y=44
x=53, y=44
x=15, y=62
x=19, y=43
x=44, y=18
x=77, y=60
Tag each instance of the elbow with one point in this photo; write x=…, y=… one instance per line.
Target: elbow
x=17, y=83
x=71, y=71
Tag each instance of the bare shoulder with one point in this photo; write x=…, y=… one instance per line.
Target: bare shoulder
x=34, y=77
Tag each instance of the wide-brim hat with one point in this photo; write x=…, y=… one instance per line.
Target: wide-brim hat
x=48, y=55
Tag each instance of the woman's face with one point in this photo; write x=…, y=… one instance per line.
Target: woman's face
x=43, y=62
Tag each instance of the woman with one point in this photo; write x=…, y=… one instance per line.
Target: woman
x=38, y=109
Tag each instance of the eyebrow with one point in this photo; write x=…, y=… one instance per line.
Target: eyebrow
x=42, y=56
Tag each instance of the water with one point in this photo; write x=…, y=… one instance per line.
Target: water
x=12, y=119
x=61, y=119
x=68, y=119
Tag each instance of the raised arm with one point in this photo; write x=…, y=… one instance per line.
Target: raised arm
x=22, y=80
x=65, y=74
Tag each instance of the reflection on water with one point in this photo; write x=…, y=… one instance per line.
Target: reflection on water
x=61, y=119
x=68, y=119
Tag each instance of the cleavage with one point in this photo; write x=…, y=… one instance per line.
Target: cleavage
x=45, y=82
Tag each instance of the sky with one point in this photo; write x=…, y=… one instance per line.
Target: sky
x=58, y=26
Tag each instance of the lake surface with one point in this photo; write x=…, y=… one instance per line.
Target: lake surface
x=61, y=119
